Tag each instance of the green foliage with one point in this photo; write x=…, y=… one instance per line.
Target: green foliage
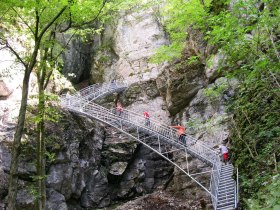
x=193, y=60
x=248, y=37
x=178, y=16
x=50, y=156
x=33, y=190
x=215, y=91
x=268, y=198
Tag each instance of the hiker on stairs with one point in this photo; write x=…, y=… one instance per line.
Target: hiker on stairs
x=113, y=84
x=224, y=151
x=181, y=132
x=119, y=109
x=147, y=118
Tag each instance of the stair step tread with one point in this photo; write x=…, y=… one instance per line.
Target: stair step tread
x=227, y=172
x=226, y=199
x=226, y=182
x=230, y=196
x=226, y=208
x=229, y=168
x=227, y=195
x=225, y=204
x=221, y=191
x=226, y=179
x=229, y=186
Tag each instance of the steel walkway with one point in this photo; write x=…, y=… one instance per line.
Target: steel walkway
x=161, y=139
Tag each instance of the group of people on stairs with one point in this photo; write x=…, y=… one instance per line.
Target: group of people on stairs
x=119, y=112
x=180, y=131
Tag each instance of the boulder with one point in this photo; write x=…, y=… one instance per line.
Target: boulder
x=4, y=90
x=55, y=201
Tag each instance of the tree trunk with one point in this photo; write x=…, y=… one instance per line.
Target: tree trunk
x=17, y=143
x=21, y=118
x=12, y=194
x=41, y=173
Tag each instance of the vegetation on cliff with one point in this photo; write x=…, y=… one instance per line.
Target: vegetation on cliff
x=247, y=33
x=29, y=30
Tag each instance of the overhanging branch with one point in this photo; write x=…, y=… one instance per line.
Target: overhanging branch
x=6, y=45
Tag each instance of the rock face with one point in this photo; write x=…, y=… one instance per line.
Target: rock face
x=77, y=58
x=91, y=165
x=121, y=51
x=179, y=86
x=137, y=36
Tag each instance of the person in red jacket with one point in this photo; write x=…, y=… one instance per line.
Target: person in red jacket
x=181, y=132
x=147, y=118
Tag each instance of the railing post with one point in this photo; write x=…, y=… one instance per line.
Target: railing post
x=159, y=149
x=237, y=189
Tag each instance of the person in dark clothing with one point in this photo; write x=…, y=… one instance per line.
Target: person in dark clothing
x=113, y=84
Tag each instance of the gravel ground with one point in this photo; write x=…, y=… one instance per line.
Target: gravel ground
x=160, y=200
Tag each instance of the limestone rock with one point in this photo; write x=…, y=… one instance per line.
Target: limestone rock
x=206, y=116
x=4, y=91
x=3, y=184
x=118, y=168
x=55, y=201
x=25, y=200
x=142, y=92
x=96, y=191
x=76, y=58
x=212, y=68
x=180, y=85
x=126, y=46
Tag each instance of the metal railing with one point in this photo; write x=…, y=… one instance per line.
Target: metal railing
x=133, y=124
x=236, y=190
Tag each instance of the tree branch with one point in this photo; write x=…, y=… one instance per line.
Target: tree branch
x=239, y=136
x=70, y=22
x=99, y=12
x=37, y=24
x=23, y=21
x=273, y=44
x=5, y=12
x=51, y=22
x=14, y=52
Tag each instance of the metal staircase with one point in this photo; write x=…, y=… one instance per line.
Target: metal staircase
x=226, y=189
x=160, y=138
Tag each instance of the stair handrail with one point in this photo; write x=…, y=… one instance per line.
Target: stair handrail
x=162, y=129
x=101, y=115
x=236, y=190
x=169, y=130
x=96, y=90
x=80, y=101
x=103, y=89
x=160, y=123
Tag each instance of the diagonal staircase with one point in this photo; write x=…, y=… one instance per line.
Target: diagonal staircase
x=226, y=189
x=156, y=136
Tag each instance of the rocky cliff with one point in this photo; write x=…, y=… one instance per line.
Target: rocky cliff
x=91, y=165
